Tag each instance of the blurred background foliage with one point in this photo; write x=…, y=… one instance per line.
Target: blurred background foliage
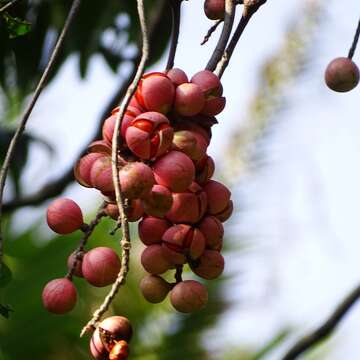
x=112, y=32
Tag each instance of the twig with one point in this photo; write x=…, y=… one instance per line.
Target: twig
x=249, y=11
x=178, y=274
x=125, y=242
x=225, y=34
x=10, y=152
x=355, y=41
x=325, y=329
x=6, y=6
x=176, y=14
x=79, y=253
x=210, y=31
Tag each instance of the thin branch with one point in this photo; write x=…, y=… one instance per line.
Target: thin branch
x=6, y=6
x=176, y=14
x=210, y=31
x=325, y=329
x=87, y=233
x=249, y=11
x=178, y=273
x=355, y=42
x=10, y=152
x=225, y=35
x=125, y=242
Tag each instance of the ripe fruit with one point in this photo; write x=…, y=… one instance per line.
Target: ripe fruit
x=101, y=174
x=189, y=99
x=151, y=229
x=188, y=296
x=64, y=216
x=158, y=202
x=214, y=9
x=154, y=261
x=101, y=266
x=210, y=266
x=213, y=231
x=83, y=167
x=59, y=296
x=134, y=211
x=177, y=76
x=218, y=196
x=154, y=288
x=342, y=74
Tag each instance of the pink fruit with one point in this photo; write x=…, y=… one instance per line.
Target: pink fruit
x=214, y=9
x=190, y=143
x=177, y=76
x=342, y=75
x=204, y=170
x=218, y=196
x=120, y=329
x=188, y=296
x=155, y=92
x=214, y=106
x=134, y=211
x=100, y=146
x=101, y=266
x=83, y=167
x=154, y=288
x=151, y=230
x=154, y=261
x=174, y=170
x=59, y=296
x=226, y=213
x=149, y=135
x=213, y=231
x=71, y=260
x=188, y=207
x=101, y=174
x=189, y=99
x=210, y=265
x=64, y=216
x=158, y=202
x=136, y=180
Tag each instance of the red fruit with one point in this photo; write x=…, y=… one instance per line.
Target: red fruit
x=134, y=211
x=155, y=92
x=59, y=296
x=83, y=167
x=213, y=106
x=174, y=170
x=210, y=266
x=64, y=216
x=177, y=76
x=71, y=260
x=204, y=170
x=100, y=146
x=189, y=99
x=118, y=327
x=158, y=202
x=181, y=241
x=342, y=74
x=151, y=230
x=101, y=174
x=154, y=288
x=226, y=213
x=213, y=231
x=214, y=9
x=218, y=196
x=188, y=296
x=136, y=180
x=154, y=261
x=149, y=135
x=101, y=266
x=188, y=207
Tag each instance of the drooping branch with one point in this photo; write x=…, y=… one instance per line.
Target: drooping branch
x=225, y=35
x=312, y=339
x=176, y=14
x=355, y=42
x=249, y=10
x=120, y=200
x=42, y=82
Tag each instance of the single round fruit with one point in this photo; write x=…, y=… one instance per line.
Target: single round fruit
x=214, y=9
x=100, y=266
x=59, y=296
x=210, y=266
x=154, y=261
x=342, y=74
x=189, y=296
x=154, y=288
x=64, y=216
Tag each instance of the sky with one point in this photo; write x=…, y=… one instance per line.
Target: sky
x=299, y=211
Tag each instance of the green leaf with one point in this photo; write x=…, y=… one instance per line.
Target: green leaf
x=5, y=310
x=16, y=26
x=5, y=275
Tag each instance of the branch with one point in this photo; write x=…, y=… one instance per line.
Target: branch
x=326, y=329
x=10, y=152
x=6, y=6
x=355, y=41
x=225, y=35
x=176, y=14
x=125, y=242
x=210, y=31
x=249, y=11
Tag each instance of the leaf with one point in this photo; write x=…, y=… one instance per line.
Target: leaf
x=5, y=275
x=16, y=26
x=5, y=310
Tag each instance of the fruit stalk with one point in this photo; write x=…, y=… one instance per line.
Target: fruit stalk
x=176, y=14
x=355, y=42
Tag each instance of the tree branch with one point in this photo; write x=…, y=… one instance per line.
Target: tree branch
x=176, y=14
x=311, y=340
x=249, y=11
x=210, y=31
x=125, y=242
x=225, y=35
x=355, y=41
x=6, y=6
x=10, y=152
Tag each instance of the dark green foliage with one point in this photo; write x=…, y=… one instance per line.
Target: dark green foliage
x=15, y=26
